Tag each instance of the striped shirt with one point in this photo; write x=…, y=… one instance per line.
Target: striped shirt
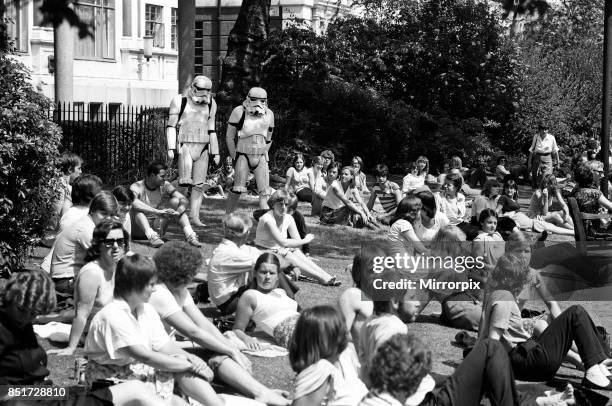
x=386, y=197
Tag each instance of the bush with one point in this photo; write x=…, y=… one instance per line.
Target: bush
x=28, y=159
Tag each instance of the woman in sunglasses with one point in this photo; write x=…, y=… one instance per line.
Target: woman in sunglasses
x=95, y=282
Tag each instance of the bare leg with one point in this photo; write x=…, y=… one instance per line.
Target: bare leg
x=141, y=221
x=551, y=228
x=237, y=377
x=135, y=393
x=308, y=268
x=198, y=389
x=195, y=203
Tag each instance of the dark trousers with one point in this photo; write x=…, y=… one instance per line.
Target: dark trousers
x=539, y=360
x=304, y=195
x=484, y=372
x=300, y=223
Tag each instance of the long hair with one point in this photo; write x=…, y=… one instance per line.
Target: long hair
x=407, y=204
x=425, y=171
x=33, y=291
x=320, y=333
x=363, y=263
x=449, y=241
x=99, y=235
x=266, y=258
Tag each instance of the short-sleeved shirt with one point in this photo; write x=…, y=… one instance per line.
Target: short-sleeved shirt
x=386, y=195
x=153, y=198
x=73, y=214
x=453, y=208
x=508, y=204
x=115, y=327
x=263, y=237
x=427, y=235
x=399, y=243
x=588, y=200
x=361, y=183
x=374, y=332
x=412, y=182
x=500, y=310
x=70, y=248
x=228, y=269
x=167, y=303
x=544, y=145
x=493, y=246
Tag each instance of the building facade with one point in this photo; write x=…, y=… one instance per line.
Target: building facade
x=109, y=65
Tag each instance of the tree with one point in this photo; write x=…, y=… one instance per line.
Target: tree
x=245, y=50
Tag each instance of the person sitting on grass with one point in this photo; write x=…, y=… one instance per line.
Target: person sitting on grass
x=227, y=175
x=158, y=202
x=95, y=282
x=460, y=308
x=452, y=201
x=70, y=166
x=590, y=199
x=360, y=176
x=268, y=306
x=271, y=235
x=339, y=207
x=388, y=194
x=125, y=199
x=71, y=245
x=412, y=180
x=297, y=179
x=401, y=235
x=432, y=220
x=538, y=359
x=325, y=362
x=127, y=341
x=23, y=361
x=319, y=183
x=400, y=375
x=177, y=264
x=508, y=208
x=392, y=310
x=487, y=199
x=354, y=303
x=489, y=244
x=231, y=264
x=501, y=173
x=542, y=200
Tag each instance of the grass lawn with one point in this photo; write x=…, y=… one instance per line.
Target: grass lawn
x=334, y=249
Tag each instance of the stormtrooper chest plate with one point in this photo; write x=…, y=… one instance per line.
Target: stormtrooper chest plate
x=193, y=125
x=253, y=135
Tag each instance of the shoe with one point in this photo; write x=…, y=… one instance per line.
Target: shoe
x=588, y=384
x=193, y=240
x=333, y=282
x=156, y=241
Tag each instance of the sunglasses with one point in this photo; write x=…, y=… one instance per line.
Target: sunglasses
x=109, y=242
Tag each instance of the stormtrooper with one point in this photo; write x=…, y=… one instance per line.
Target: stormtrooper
x=248, y=137
x=191, y=132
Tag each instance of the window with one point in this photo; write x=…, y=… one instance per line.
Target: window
x=173, y=28
x=95, y=111
x=17, y=24
x=127, y=18
x=154, y=26
x=100, y=15
x=38, y=15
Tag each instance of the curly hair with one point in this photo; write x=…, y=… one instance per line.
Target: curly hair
x=32, y=290
x=101, y=232
x=319, y=333
x=381, y=170
x=236, y=225
x=177, y=263
x=584, y=176
x=400, y=364
x=511, y=273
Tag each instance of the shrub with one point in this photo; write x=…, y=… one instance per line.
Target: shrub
x=28, y=158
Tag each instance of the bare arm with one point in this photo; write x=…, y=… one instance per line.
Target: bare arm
x=313, y=398
x=289, y=176
x=604, y=202
x=346, y=201
x=158, y=360
x=411, y=236
x=244, y=312
x=371, y=201
x=282, y=239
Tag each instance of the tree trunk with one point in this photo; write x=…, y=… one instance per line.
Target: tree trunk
x=245, y=51
x=3, y=29
x=186, y=43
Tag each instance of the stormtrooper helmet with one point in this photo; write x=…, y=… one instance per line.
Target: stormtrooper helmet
x=200, y=90
x=256, y=101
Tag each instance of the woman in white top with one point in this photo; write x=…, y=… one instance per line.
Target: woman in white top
x=299, y=180
x=178, y=263
x=432, y=220
x=488, y=198
x=452, y=201
x=412, y=180
x=401, y=234
x=272, y=311
x=326, y=363
x=338, y=206
x=95, y=282
x=272, y=232
x=127, y=341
